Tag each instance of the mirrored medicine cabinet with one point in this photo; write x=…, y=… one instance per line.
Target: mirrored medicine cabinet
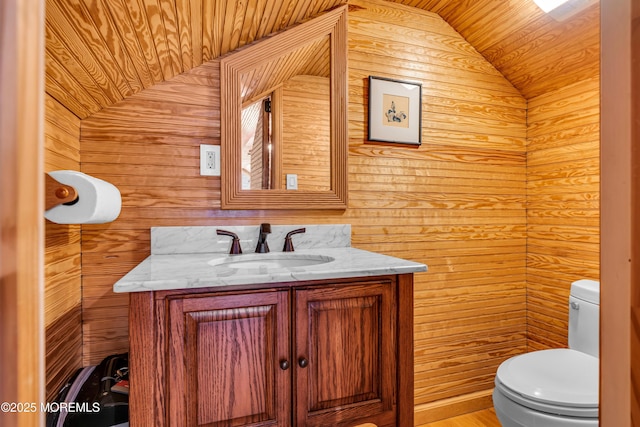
x=284, y=139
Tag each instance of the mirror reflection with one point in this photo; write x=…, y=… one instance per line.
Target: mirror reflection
x=257, y=146
x=286, y=127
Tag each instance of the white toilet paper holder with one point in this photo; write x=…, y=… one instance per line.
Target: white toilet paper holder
x=57, y=193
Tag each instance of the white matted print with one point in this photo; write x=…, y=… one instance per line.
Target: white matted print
x=395, y=111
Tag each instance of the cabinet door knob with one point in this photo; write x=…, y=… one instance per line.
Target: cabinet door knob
x=284, y=365
x=303, y=362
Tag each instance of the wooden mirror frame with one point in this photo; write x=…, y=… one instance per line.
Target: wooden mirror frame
x=333, y=24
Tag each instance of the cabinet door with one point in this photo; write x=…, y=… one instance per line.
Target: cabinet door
x=228, y=360
x=346, y=354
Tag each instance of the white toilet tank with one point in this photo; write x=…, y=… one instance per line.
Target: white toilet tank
x=584, y=317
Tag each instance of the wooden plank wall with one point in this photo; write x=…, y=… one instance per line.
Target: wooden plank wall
x=148, y=146
x=456, y=203
x=63, y=296
x=306, y=133
x=563, y=176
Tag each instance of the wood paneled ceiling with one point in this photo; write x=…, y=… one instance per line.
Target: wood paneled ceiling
x=99, y=52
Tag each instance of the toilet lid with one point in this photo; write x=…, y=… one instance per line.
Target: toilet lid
x=561, y=377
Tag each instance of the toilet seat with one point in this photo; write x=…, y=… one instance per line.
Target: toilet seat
x=558, y=381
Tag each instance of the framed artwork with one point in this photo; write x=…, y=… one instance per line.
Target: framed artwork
x=395, y=111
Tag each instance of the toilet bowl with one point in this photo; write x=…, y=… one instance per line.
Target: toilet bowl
x=557, y=387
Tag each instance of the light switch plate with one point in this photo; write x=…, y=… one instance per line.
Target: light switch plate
x=210, y=160
x=292, y=181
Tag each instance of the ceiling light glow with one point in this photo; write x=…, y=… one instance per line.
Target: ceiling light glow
x=561, y=10
x=549, y=5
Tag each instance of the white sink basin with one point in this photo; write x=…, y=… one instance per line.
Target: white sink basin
x=270, y=261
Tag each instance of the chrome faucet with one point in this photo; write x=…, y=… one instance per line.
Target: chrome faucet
x=262, y=246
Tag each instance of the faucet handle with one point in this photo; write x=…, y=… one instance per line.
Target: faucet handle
x=288, y=243
x=235, y=243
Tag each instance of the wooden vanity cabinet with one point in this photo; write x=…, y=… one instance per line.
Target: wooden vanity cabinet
x=225, y=360
x=322, y=353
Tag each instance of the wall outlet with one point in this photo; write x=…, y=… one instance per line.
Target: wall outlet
x=292, y=181
x=210, y=160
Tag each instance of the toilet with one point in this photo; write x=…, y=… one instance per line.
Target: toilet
x=558, y=387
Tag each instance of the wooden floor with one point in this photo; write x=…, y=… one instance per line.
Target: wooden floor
x=485, y=418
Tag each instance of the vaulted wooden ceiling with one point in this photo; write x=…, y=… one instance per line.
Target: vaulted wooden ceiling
x=101, y=51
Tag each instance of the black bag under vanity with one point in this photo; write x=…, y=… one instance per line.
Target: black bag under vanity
x=96, y=396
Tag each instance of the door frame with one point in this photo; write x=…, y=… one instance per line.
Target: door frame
x=21, y=211
x=620, y=214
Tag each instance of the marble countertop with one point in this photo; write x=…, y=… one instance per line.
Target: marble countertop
x=188, y=271
x=195, y=257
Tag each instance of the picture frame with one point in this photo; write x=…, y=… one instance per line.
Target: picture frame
x=395, y=111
